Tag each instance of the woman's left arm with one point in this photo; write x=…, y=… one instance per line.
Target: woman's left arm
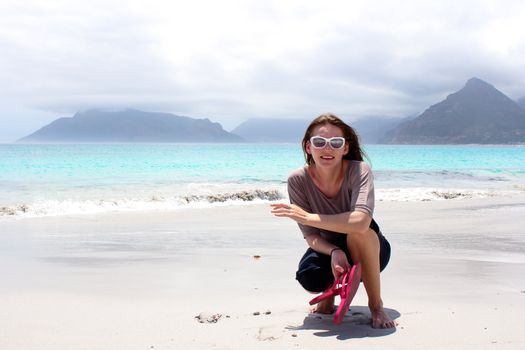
x=351, y=222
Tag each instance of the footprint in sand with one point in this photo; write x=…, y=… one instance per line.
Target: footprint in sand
x=269, y=333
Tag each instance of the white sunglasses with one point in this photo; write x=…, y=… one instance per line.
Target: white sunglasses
x=320, y=142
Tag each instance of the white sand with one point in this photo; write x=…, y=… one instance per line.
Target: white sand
x=137, y=281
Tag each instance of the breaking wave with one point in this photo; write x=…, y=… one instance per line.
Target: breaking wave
x=59, y=207
x=154, y=203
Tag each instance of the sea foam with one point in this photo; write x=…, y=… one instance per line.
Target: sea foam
x=159, y=202
x=55, y=207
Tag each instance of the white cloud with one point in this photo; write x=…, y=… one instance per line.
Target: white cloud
x=231, y=60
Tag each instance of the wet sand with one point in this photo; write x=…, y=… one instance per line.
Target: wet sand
x=138, y=281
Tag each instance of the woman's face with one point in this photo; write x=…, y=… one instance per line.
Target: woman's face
x=327, y=156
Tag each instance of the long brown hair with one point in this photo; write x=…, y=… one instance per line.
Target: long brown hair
x=355, y=152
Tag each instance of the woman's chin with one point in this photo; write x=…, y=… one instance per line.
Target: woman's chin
x=328, y=162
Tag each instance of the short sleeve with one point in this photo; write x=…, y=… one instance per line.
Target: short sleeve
x=297, y=194
x=362, y=188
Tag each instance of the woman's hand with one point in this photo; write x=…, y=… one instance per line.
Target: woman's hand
x=339, y=263
x=291, y=211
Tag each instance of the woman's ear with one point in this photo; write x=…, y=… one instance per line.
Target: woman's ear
x=347, y=148
x=308, y=147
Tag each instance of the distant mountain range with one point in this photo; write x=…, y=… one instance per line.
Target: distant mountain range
x=131, y=126
x=371, y=129
x=478, y=113
x=521, y=102
x=272, y=130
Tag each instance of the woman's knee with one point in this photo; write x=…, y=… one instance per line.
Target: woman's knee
x=315, y=280
x=314, y=272
x=366, y=244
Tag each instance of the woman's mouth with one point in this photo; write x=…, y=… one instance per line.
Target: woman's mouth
x=327, y=157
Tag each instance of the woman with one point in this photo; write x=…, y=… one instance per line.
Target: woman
x=332, y=200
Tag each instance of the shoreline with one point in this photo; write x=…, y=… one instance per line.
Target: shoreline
x=160, y=204
x=137, y=280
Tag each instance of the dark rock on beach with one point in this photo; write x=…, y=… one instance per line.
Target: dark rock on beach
x=204, y=317
x=245, y=196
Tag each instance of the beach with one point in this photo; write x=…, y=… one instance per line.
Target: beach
x=143, y=146
x=140, y=280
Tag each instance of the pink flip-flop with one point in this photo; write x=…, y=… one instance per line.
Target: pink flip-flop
x=350, y=284
x=331, y=291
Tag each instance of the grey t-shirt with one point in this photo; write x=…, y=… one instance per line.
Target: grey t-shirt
x=356, y=194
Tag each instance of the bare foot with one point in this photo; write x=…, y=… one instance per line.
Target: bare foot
x=380, y=319
x=325, y=306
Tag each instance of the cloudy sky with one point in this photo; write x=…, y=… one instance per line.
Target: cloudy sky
x=233, y=60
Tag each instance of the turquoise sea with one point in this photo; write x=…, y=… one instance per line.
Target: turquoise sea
x=58, y=179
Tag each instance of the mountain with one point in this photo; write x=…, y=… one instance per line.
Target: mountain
x=478, y=113
x=272, y=130
x=130, y=126
x=370, y=129
x=521, y=102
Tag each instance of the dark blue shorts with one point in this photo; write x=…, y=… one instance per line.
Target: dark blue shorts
x=315, y=270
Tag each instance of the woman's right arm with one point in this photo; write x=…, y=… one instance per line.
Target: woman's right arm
x=339, y=262
x=297, y=195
